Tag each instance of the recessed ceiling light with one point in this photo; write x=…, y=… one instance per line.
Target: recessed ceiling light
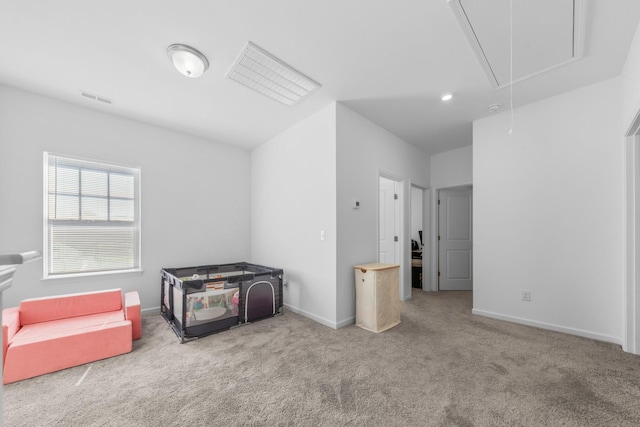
x=494, y=107
x=257, y=69
x=447, y=96
x=187, y=60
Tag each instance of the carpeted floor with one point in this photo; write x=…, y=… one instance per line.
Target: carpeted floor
x=441, y=366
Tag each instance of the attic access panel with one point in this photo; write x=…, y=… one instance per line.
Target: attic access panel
x=546, y=35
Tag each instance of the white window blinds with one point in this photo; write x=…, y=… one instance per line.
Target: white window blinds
x=92, y=214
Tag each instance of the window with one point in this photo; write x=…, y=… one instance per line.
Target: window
x=92, y=217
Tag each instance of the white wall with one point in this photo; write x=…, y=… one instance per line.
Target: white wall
x=630, y=111
x=452, y=168
x=293, y=200
x=549, y=215
x=305, y=180
x=195, y=193
x=364, y=151
x=631, y=82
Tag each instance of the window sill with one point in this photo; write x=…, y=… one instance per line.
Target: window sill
x=98, y=274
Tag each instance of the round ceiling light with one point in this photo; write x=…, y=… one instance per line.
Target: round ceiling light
x=447, y=96
x=187, y=60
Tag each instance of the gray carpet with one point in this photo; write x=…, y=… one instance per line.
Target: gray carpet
x=441, y=366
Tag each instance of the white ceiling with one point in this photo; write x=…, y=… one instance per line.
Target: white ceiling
x=389, y=60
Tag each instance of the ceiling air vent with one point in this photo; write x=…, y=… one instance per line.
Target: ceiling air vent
x=546, y=34
x=95, y=97
x=257, y=69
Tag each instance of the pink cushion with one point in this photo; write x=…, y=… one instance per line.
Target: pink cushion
x=10, y=326
x=37, y=310
x=30, y=358
x=62, y=327
x=132, y=313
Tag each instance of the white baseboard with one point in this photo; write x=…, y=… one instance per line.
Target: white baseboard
x=311, y=316
x=152, y=310
x=346, y=322
x=549, y=326
x=321, y=320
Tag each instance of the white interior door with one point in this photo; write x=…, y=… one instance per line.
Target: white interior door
x=389, y=221
x=455, y=239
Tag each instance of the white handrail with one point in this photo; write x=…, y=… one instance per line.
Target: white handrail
x=7, y=268
x=15, y=259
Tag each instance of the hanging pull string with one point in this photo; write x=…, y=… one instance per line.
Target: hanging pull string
x=511, y=63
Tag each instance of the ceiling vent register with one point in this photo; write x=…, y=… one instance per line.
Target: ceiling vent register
x=95, y=97
x=257, y=69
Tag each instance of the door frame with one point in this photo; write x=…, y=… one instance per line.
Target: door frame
x=402, y=253
x=631, y=341
x=397, y=217
x=426, y=228
x=435, y=224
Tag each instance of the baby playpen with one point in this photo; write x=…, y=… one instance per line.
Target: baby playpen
x=198, y=301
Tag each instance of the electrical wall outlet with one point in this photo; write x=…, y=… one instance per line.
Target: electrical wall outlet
x=526, y=295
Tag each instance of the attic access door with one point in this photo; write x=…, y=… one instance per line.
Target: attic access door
x=455, y=239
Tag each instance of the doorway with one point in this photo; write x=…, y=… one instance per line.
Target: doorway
x=455, y=239
x=417, y=238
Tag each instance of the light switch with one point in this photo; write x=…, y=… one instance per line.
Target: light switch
x=322, y=235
